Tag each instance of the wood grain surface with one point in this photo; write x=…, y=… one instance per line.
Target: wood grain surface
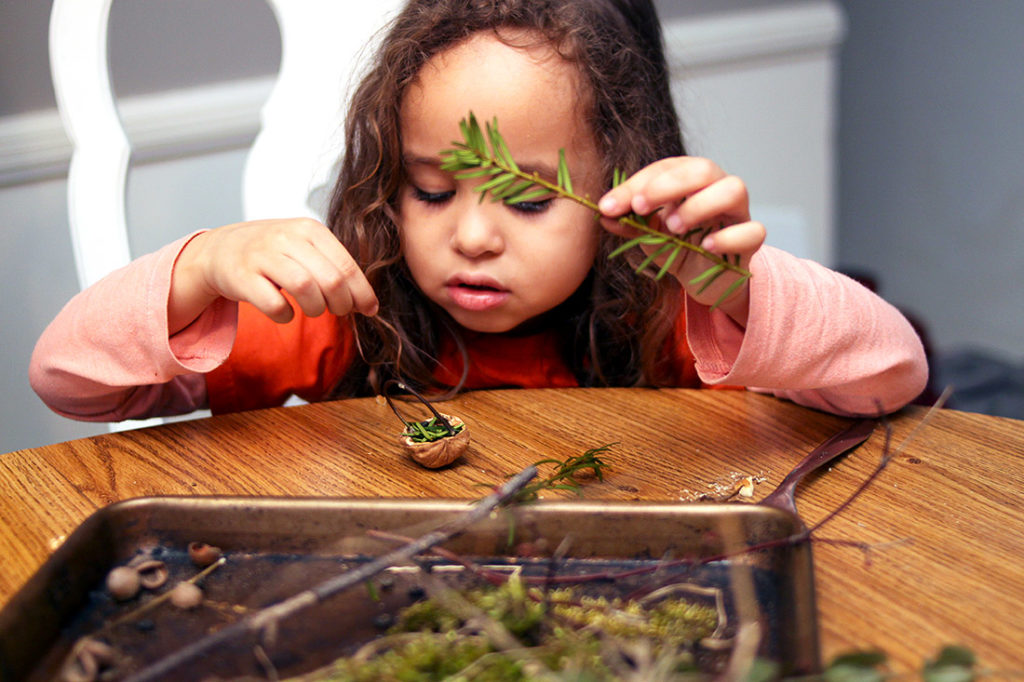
x=944, y=521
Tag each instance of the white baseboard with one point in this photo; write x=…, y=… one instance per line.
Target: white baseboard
x=218, y=116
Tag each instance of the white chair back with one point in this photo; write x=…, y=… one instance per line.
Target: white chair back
x=294, y=152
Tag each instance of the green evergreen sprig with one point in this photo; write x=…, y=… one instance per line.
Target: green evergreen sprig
x=484, y=154
x=429, y=430
x=564, y=475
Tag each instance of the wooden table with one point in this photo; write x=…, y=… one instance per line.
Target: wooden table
x=945, y=520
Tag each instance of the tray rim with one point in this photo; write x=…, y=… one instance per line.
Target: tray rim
x=38, y=586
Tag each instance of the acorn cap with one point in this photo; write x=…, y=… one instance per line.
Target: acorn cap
x=444, y=450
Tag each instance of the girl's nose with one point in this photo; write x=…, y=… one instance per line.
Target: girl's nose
x=477, y=230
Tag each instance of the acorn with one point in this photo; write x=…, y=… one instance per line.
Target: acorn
x=186, y=595
x=123, y=582
x=440, y=451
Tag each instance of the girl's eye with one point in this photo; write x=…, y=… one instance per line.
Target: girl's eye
x=532, y=206
x=432, y=197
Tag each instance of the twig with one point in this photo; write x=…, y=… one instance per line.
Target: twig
x=887, y=454
x=266, y=620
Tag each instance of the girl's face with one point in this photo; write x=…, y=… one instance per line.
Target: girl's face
x=490, y=265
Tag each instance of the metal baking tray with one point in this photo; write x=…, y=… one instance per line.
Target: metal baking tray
x=276, y=547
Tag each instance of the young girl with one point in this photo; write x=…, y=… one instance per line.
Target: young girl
x=414, y=276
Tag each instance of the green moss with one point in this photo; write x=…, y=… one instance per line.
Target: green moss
x=562, y=630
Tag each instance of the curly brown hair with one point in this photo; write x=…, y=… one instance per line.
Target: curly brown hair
x=613, y=330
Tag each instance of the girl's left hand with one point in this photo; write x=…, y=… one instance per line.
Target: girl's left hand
x=682, y=193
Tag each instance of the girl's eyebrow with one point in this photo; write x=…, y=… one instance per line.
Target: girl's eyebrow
x=410, y=160
x=542, y=169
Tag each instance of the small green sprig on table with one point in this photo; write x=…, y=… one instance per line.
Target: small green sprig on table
x=564, y=475
x=483, y=154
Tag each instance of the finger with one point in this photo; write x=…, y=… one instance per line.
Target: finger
x=743, y=239
x=619, y=200
x=723, y=201
x=295, y=277
x=266, y=297
x=662, y=182
x=358, y=294
x=344, y=284
x=676, y=181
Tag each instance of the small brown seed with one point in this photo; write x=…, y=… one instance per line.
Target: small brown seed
x=186, y=595
x=202, y=554
x=123, y=582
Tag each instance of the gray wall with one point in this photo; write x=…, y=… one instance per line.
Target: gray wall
x=932, y=163
x=154, y=45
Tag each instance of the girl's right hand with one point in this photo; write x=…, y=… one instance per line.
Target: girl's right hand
x=256, y=261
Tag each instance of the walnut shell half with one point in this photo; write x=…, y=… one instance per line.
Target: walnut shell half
x=439, y=452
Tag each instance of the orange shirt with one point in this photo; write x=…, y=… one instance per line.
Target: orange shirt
x=270, y=361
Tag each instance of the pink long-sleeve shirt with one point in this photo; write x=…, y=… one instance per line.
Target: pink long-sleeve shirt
x=813, y=336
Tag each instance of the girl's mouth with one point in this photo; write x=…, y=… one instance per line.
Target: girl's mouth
x=476, y=295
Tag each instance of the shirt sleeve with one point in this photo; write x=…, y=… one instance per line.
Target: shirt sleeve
x=108, y=354
x=813, y=336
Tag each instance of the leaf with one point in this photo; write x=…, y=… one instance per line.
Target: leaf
x=512, y=189
x=564, y=181
x=500, y=148
x=473, y=136
x=635, y=241
x=496, y=181
x=711, y=273
x=527, y=196
x=858, y=666
x=464, y=127
x=618, y=177
x=651, y=257
x=477, y=172
x=953, y=664
x=669, y=262
x=956, y=655
x=868, y=659
x=729, y=292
